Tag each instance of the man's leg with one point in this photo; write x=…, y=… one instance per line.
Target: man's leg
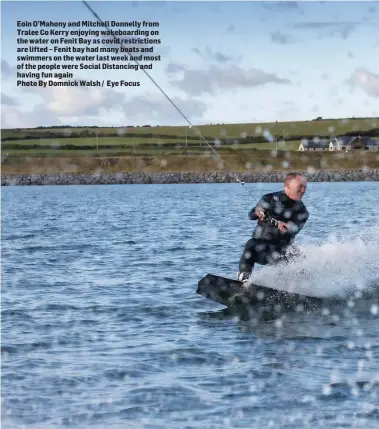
x=247, y=260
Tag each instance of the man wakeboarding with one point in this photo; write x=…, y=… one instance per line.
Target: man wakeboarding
x=281, y=216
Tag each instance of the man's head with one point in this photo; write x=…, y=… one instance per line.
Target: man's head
x=295, y=186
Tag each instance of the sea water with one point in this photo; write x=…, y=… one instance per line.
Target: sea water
x=101, y=325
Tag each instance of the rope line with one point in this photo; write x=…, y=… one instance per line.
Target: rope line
x=169, y=99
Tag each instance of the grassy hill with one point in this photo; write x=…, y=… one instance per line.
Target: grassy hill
x=321, y=127
x=180, y=148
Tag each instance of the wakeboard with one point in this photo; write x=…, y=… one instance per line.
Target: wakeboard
x=230, y=293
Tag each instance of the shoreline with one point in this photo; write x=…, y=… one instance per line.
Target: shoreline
x=48, y=179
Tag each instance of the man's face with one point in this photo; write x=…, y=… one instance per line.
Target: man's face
x=296, y=188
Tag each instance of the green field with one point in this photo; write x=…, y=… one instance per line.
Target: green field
x=315, y=128
x=113, y=145
x=224, y=137
x=249, y=160
x=101, y=141
x=242, y=146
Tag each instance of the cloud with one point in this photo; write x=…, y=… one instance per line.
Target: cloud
x=282, y=5
x=217, y=56
x=317, y=25
x=12, y=117
x=198, y=82
x=7, y=100
x=85, y=105
x=343, y=29
x=7, y=71
x=280, y=38
x=152, y=4
x=161, y=50
x=77, y=101
x=157, y=108
x=144, y=109
x=231, y=29
x=365, y=80
x=174, y=68
x=328, y=29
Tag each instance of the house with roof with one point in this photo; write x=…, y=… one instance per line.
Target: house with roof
x=370, y=143
x=341, y=143
x=315, y=145
x=348, y=143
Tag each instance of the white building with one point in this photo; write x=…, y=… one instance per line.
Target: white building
x=342, y=143
x=315, y=145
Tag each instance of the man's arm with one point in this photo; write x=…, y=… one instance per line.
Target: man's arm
x=263, y=203
x=296, y=225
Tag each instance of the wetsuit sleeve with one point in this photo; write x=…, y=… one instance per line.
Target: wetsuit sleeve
x=264, y=202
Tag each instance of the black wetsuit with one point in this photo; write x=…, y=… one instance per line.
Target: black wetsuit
x=268, y=245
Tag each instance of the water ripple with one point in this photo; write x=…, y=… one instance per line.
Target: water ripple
x=101, y=325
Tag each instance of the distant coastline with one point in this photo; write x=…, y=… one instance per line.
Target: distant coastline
x=181, y=177
x=256, y=152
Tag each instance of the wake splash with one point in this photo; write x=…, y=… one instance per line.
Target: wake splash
x=336, y=268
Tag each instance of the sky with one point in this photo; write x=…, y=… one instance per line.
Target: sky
x=221, y=62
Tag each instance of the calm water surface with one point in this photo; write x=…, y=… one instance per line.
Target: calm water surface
x=101, y=325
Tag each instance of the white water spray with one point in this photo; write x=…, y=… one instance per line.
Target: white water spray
x=337, y=267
